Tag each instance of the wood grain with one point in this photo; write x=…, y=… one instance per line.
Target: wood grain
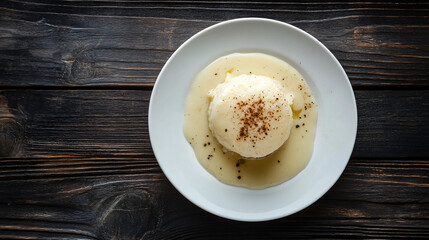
x=85, y=167
x=45, y=123
x=75, y=156
x=374, y=198
x=109, y=43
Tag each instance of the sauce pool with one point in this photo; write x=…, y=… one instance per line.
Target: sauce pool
x=229, y=167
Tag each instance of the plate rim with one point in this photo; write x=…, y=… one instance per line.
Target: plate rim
x=255, y=217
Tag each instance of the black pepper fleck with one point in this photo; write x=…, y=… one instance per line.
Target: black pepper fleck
x=303, y=124
x=239, y=177
x=205, y=144
x=226, y=130
x=297, y=126
x=237, y=165
x=278, y=161
x=215, y=74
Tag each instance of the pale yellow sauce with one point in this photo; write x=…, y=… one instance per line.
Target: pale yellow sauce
x=229, y=167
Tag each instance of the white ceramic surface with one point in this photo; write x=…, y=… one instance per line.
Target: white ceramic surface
x=336, y=126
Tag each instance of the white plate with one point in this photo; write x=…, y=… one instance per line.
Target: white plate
x=336, y=125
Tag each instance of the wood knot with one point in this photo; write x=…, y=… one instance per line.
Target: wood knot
x=125, y=216
x=11, y=130
x=79, y=66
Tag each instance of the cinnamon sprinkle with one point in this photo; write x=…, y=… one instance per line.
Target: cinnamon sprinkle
x=255, y=118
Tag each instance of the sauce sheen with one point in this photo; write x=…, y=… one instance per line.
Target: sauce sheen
x=229, y=167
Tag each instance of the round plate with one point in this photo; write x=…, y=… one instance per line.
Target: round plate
x=336, y=125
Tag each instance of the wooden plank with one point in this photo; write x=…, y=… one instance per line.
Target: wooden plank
x=94, y=198
x=109, y=43
x=392, y=124
x=52, y=123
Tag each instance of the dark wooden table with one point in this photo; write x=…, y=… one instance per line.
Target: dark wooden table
x=75, y=157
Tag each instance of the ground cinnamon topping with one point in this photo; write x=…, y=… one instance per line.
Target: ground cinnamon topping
x=255, y=118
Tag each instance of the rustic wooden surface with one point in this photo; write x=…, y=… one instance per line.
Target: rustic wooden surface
x=75, y=83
